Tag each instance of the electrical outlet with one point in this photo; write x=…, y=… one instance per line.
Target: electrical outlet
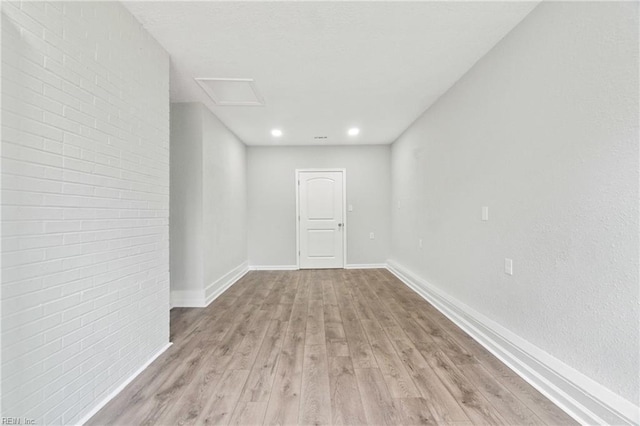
x=508, y=266
x=485, y=213
x=372, y=236
x=350, y=208
x=419, y=242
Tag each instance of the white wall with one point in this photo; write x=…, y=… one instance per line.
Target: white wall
x=543, y=131
x=85, y=180
x=186, y=228
x=224, y=204
x=272, y=200
x=208, y=205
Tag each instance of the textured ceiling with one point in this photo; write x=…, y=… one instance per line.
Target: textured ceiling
x=323, y=67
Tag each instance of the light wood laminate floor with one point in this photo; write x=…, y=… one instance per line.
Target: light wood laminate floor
x=324, y=347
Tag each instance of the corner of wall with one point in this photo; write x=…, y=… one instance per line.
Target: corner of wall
x=218, y=287
x=187, y=299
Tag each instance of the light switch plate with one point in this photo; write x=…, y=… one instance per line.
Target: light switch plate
x=485, y=213
x=350, y=208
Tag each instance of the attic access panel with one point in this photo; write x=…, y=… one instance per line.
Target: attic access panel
x=231, y=91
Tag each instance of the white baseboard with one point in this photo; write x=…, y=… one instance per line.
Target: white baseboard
x=218, y=287
x=202, y=298
x=123, y=385
x=366, y=266
x=187, y=299
x=579, y=396
x=273, y=267
x=295, y=268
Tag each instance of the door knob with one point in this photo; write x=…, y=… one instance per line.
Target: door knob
x=340, y=225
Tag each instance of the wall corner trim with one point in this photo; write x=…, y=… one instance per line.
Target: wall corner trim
x=123, y=385
x=216, y=288
x=295, y=268
x=273, y=267
x=202, y=298
x=581, y=397
x=366, y=266
x=187, y=299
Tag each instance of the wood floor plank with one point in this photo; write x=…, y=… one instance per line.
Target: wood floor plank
x=247, y=351
x=272, y=300
x=365, y=286
x=290, y=290
x=324, y=347
x=315, y=400
x=248, y=413
x=332, y=314
x=189, y=406
x=440, y=401
x=549, y=413
x=152, y=409
x=361, y=304
x=240, y=328
x=181, y=319
x=346, y=404
x=337, y=348
x=396, y=288
x=218, y=310
x=315, y=405
x=284, y=401
x=415, y=411
x=315, y=323
x=398, y=380
x=282, y=312
x=222, y=402
x=429, y=319
x=379, y=407
x=438, y=338
x=509, y=407
x=329, y=297
x=475, y=405
x=260, y=380
x=359, y=348
x=334, y=331
x=443, y=340
x=315, y=285
x=335, y=338
x=442, y=404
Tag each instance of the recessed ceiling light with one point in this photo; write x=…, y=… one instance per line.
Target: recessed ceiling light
x=276, y=133
x=354, y=131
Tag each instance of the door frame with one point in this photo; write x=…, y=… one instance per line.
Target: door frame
x=344, y=211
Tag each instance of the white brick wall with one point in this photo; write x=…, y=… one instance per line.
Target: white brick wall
x=85, y=202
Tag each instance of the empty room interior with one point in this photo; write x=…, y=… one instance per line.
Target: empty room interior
x=320, y=212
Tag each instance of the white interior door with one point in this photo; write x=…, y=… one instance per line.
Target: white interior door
x=321, y=228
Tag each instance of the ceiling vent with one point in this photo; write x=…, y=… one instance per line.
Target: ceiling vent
x=231, y=91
